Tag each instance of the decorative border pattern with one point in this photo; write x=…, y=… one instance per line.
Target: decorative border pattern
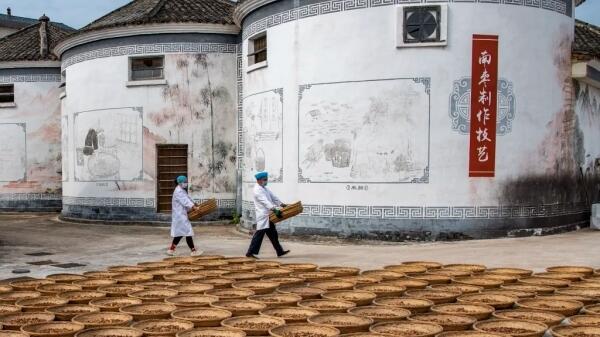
x=434, y=212
x=29, y=196
x=335, y=6
x=129, y=202
x=240, y=108
x=30, y=78
x=154, y=48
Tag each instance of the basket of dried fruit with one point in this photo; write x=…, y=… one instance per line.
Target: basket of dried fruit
x=239, y=259
x=450, y=322
x=8, y=309
x=52, y=329
x=512, y=327
x=335, y=284
x=187, y=268
x=432, y=278
x=149, y=310
x=81, y=296
x=285, y=280
x=29, y=284
x=5, y=288
x=478, y=311
x=473, y=268
x=276, y=300
x=415, y=305
x=239, y=307
x=434, y=295
x=572, y=269
x=266, y=264
x=39, y=304
x=16, y=320
x=190, y=301
x=514, y=293
x=340, y=271
x=590, y=320
x=584, y=300
x=12, y=333
x=216, y=281
x=382, y=290
x=575, y=331
x=482, y=281
x=212, y=332
x=101, y=274
x=67, y=312
x=381, y=313
x=195, y=288
x=406, y=268
x=385, y=275
x=273, y=272
x=360, y=297
x=14, y=296
x=535, y=288
x=65, y=277
x=346, y=323
x=505, y=278
x=114, y=303
x=182, y=278
x=573, y=277
x=407, y=329
x=586, y=285
x=469, y=333
x=327, y=306
x=241, y=276
x=155, y=285
x=133, y=278
x=238, y=267
x=94, y=283
x=589, y=293
x=290, y=314
x=452, y=272
x=455, y=287
x=202, y=317
x=593, y=309
x=230, y=293
x=311, y=276
x=305, y=292
x=159, y=274
x=126, y=269
x=210, y=264
x=153, y=295
x=565, y=307
x=408, y=283
x=511, y=271
x=430, y=265
x=163, y=327
x=303, y=330
x=254, y=325
x=156, y=265
x=56, y=288
x=257, y=286
x=119, y=290
x=100, y=319
x=496, y=301
x=110, y=332
x=361, y=279
x=178, y=260
x=544, y=281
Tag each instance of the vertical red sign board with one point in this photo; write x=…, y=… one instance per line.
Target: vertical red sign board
x=484, y=92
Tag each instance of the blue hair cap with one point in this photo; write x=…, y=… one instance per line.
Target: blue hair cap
x=261, y=175
x=181, y=179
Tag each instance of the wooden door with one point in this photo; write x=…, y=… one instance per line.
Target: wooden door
x=171, y=162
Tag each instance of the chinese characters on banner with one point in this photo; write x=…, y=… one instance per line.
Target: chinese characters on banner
x=484, y=92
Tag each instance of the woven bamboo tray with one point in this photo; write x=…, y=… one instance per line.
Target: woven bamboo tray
x=285, y=280
x=56, y=288
x=257, y=286
x=340, y=271
x=267, y=264
x=381, y=313
x=406, y=269
x=304, y=330
x=486, y=283
x=16, y=320
x=163, y=327
x=432, y=278
x=513, y=293
x=290, y=314
x=586, y=285
x=52, y=329
x=239, y=307
x=408, y=283
x=363, y=334
x=361, y=279
x=556, y=283
x=287, y=212
x=11, y=333
x=382, y=290
x=110, y=332
x=102, y=319
x=593, y=309
x=345, y=323
x=505, y=278
x=39, y=304
x=180, y=260
x=436, y=296
x=276, y=300
x=307, y=293
x=126, y=269
x=360, y=297
x=415, y=305
x=202, y=317
x=8, y=309
x=449, y=322
x=256, y=325
x=65, y=277
x=210, y=263
x=212, y=332
x=589, y=320
x=81, y=296
x=300, y=267
x=114, y=303
x=575, y=331
x=584, y=300
x=469, y=333
x=22, y=285
x=496, y=301
x=202, y=209
x=159, y=274
x=455, y=287
x=182, y=278
x=133, y=278
x=101, y=274
x=311, y=276
x=385, y=275
x=149, y=311
x=327, y=306
x=191, y=301
x=452, y=272
x=538, y=289
x=573, y=277
x=274, y=272
x=590, y=293
x=430, y=265
x=511, y=271
x=187, y=268
x=407, y=329
x=567, y=308
x=241, y=276
x=156, y=264
x=5, y=288
x=153, y=295
x=119, y=290
x=155, y=285
x=14, y=296
x=218, y=282
x=473, y=268
x=516, y=328
x=230, y=293
x=572, y=269
x=67, y=312
x=194, y=288
x=478, y=311
x=93, y=284
x=329, y=285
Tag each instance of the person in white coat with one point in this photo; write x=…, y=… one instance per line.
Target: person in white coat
x=180, y=223
x=264, y=203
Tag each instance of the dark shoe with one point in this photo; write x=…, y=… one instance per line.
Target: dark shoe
x=252, y=256
x=285, y=252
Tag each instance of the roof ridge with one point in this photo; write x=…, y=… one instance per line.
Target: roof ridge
x=19, y=31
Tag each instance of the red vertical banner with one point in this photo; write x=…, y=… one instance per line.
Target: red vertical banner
x=484, y=92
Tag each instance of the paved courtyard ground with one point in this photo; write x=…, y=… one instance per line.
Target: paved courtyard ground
x=96, y=246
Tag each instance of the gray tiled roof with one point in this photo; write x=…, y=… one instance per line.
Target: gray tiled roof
x=587, y=40
x=140, y=12
x=24, y=45
x=18, y=22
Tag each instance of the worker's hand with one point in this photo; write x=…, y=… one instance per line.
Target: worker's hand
x=277, y=212
x=284, y=205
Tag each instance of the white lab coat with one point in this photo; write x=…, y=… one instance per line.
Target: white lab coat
x=182, y=203
x=264, y=201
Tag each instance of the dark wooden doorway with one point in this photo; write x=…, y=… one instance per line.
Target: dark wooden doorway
x=171, y=162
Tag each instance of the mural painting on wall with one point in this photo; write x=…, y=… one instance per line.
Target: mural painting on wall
x=199, y=109
x=365, y=131
x=108, y=145
x=65, y=147
x=263, y=143
x=13, y=152
x=587, y=106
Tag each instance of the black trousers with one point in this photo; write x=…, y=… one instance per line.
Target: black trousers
x=258, y=237
x=188, y=239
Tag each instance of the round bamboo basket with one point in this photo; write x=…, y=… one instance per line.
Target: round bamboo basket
x=159, y=274
x=191, y=301
x=114, y=303
x=345, y=323
x=408, y=283
x=415, y=305
x=290, y=314
x=385, y=275
x=65, y=277
x=103, y=319
x=178, y=260
x=101, y=274
x=133, y=278
x=230, y=293
x=573, y=277
x=505, y=278
x=119, y=290
x=564, y=307
x=452, y=272
x=202, y=317
x=469, y=333
x=156, y=265
x=188, y=268
x=381, y=313
x=589, y=320
x=329, y=285
x=219, y=283
x=126, y=269
x=110, y=332
x=511, y=271
x=238, y=267
x=432, y=278
x=257, y=286
x=436, y=296
x=274, y=272
x=156, y=284
x=406, y=268
x=362, y=334
x=94, y=283
x=427, y=264
x=56, y=288
x=52, y=329
x=307, y=293
x=8, y=309
x=153, y=295
x=360, y=297
x=449, y=322
x=256, y=325
x=208, y=257
x=575, y=331
x=473, y=268
x=189, y=289
x=300, y=267
x=455, y=287
x=12, y=333
x=210, y=263
x=537, y=289
x=14, y=296
x=285, y=280
x=304, y=330
x=486, y=283
x=182, y=278
x=67, y=312
x=361, y=279
x=496, y=301
x=586, y=285
x=478, y=311
x=590, y=293
x=312, y=276
x=239, y=307
x=29, y=284
x=5, y=288
x=593, y=309
x=516, y=328
x=572, y=269
x=212, y=332
x=513, y=293
x=544, y=281
x=239, y=259
x=17, y=320
x=327, y=306
x=407, y=328
x=163, y=327
x=340, y=271
x=584, y=300
x=39, y=304
x=82, y=296
x=266, y=264
x=276, y=300
x=148, y=311
x=382, y=290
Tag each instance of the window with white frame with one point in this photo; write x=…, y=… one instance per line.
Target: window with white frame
x=7, y=93
x=146, y=68
x=257, y=49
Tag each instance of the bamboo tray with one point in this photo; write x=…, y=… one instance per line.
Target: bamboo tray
x=327, y=306
x=385, y=275
x=149, y=311
x=188, y=268
x=114, y=303
x=16, y=320
x=409, y=283
x=82, y=296
x=133, y=278
x=103, y=319
x=94, y=283
x=255, y=325
x=361, y=279
x=52, y=329
x=180, y=260
x=511, y=271
x=456, y=287
x=304, y=330
x=194, y=288
x=345, y=323
x=556, y=283
x=257, y=286
x=274, y=272
x=505, y=278
x=469, y=333
x=452, y=272
x=182, y=278
x=449, y=322
x=473, y=268
x=230, y=293
x=575, y=331
x=381, y=313
x=212, y=332
x=360, y=297
x=415, y=305
x=202, y=317
x=267, y=264
x=407, y=329
x=276, y=300
x=329, y=285
x=191, y=301
x=562, y=297
x=110, y=332
x=572, y=269
x=287, y=212
x=12, y=333
x=65, y=277
x=56, y=288
x=163, y=327
x=155, y=285
x=153, y=295
x=496, y=301
x=436, y=296
x=341, y=271
x=306, y=292
x=513, y=293
x=67, y=312
x=535, y=288
x=285, y=281
x=126, y=269
x=159, y=274
x=406, y=269
x=14, y=296
x=593, y=309
x=119, y=290
x=5, y=288
x=311, y=276
x=300, y=267
x=218, y=282
x=241, y=276
x=39, y=304
x=432, y=278
x=290, y=314
x=239, y=307
x=202, y=209
x=101, y=274
x=564, y=307
x=430, y=265
x=382, y=290
x=586, y=285
x=573, y=277
x=590, y=293
x=516, y=328
x=23, y=285
x=8, y=309
x=478, y=311
x=589, y=320
x=486, y=283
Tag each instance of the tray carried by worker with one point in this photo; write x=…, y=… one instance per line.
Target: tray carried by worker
x=202, y=209
x=287, y=212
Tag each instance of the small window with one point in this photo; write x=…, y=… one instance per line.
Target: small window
x=7, y=93
x=422, y=24
x=147, y=68
x=257, y=49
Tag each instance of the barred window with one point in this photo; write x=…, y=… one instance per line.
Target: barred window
x=7, y=93
x=147, y=68
x=257, y=49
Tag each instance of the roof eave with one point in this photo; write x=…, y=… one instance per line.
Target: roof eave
x=246, y=8
x=29, y=64
x=579, y=2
